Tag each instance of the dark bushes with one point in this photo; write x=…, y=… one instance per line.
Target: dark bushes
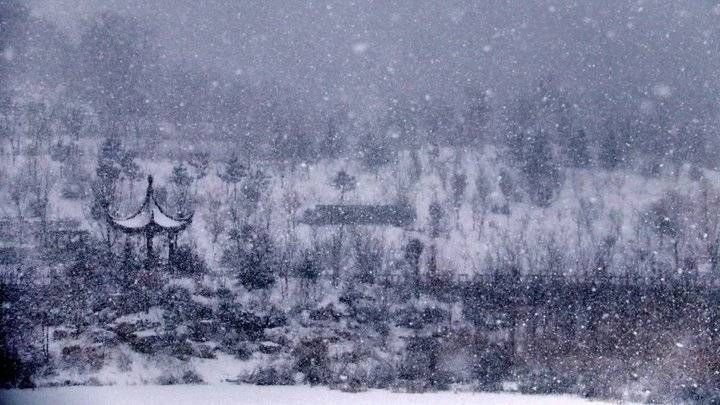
x=311, y=359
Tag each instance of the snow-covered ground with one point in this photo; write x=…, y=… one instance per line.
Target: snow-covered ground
x=226, y=394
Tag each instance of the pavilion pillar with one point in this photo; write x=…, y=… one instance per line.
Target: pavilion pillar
x=149, y=234
x=172, y=245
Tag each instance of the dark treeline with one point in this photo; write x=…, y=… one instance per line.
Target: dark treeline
x=595, y=336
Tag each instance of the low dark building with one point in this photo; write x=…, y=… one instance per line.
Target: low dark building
x=400, y=215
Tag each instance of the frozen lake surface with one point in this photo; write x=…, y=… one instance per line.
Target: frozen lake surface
x=227, y=394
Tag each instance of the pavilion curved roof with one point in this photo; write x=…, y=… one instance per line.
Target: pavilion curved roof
x=150, y=216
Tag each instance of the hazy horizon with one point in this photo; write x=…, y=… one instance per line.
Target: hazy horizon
x=363, y=49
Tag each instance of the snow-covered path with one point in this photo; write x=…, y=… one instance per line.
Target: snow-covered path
x=227, y=394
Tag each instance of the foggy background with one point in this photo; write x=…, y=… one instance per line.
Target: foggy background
x=344, y=47
x=365, y=53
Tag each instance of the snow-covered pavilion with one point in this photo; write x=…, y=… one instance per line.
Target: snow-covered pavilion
x=151, y=219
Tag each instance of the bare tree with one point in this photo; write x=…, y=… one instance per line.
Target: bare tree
x=459, y=184
x=200, y=164
x=19, y=193
x=232, y=174
x=664, y=217
x=291, y=204
x=215, y=222
x=181, y=183
x=480, y=202
x=708, y=214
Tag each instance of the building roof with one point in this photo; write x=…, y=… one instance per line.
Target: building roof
x=150, y=215
x=400, y=215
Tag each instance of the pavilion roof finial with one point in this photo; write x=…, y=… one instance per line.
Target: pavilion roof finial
x=149, y=192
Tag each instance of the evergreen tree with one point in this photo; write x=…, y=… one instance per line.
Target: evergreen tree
x=376, y=151
x=541, y=171
x=413, y=251
x=436, y=216
x=252, y=257
x=344, y=183
x=332, y=144
x=233, y=173
x=459, y=184
x=253, y=187
x=611, y=154
x=200, y=162
x=475, y=115
x=576, y=151
x=181, y=181
x=113, y=161
x=130, y=170
x=107, y=174
x=506, y=184
x=187, y=262
x=293, y=145
x=308, y=270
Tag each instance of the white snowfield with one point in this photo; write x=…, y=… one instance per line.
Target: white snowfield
x=227, y=394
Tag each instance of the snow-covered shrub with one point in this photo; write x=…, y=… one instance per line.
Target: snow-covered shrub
x=545, y=381
x=491, y=363
x=361, y=304
x=355, y=381
x=73, y=191
x=192, y=377
x=419, y=367
x=60, y=334
x=440, y=285
x=186, y=262
x=203, y=351
x=688, y=372
x=244, y=323
x=203, y=329
x=695, y=173
x=270, y=375
x=500, y=208
x=651, y=169
x=232, y=343
x=308, y=270
x=252, y=256
x=148, y=344
x=167, y=379
x=419, y=316
x=87, y=358
x=72, y=354
x=180, y=348
x=275, y=318
x=124, y=362
x=369, y=255
x=269, y=347
x=698, y=394
x=327, y=313
x=381, y=375
x=311, y=359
